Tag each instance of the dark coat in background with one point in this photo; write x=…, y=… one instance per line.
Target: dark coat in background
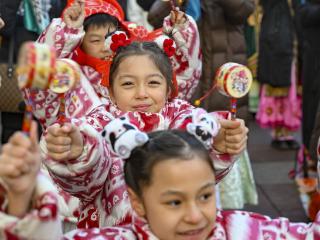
x=276, y=43
x=310, y=20
x=222, y=41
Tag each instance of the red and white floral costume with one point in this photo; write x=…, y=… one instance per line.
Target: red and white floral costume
x=90, y=94
x=96, y=177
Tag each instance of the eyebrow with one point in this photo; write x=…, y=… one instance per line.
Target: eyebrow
x=95, y=35
x=148, y=76
x=173, y=192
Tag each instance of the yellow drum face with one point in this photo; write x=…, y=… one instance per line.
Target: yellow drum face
x=35, y=67
x=233, y=80
x=67, y=76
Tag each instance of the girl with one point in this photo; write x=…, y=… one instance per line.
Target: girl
x=81, y=164
x=168, y=203
x=80, y=34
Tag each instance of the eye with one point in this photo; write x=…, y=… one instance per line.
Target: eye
x=154, y=83
x=127, y=84
x=206, y=196
x=173, y=203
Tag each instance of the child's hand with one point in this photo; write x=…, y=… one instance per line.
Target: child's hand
x=1, y=23
x=19, y=165
x=177, y=17
x=232, y=137
x=74, y=15
x=64, y=142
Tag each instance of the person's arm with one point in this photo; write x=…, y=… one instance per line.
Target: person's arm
x=188, y=60
x=79, y=101
x=237, y=11
x=258, y=226
x=227, y=145
x=28, y=203
x=76, y=155
x=65, y=34
x=39, y=219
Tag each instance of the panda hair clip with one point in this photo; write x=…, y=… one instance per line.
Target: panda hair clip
x=123, y=137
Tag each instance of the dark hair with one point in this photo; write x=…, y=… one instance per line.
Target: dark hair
x=162, y=145
x=156, y=54
x=100, y=20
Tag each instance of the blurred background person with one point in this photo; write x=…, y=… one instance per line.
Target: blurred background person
x=309, y=16
x=280, y=105
x=222, y=40
x=24, y=21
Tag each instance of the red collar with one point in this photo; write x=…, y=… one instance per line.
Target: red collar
x=101, y=66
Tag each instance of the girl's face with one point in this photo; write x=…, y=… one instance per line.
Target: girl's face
x=180, y=201
x=93, y=41
x=138, y=85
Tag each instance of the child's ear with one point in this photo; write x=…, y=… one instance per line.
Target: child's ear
x=136, y=203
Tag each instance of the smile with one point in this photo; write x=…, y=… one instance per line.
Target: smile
x=142, y=107
x=192, y=234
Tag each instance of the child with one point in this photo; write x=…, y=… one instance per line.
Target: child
x=168, y=203
x=140, y=84
x=80, y=35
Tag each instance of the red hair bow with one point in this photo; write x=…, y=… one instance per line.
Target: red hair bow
x=119, y=40
x=168, y=47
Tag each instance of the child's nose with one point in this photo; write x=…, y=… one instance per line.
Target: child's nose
x=193, y=215
x=141, y=92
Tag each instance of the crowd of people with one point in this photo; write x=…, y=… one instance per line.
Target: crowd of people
x=134, y=158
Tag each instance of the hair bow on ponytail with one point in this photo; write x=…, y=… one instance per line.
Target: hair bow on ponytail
x=122, y=137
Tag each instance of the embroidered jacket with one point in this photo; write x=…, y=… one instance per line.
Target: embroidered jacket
x=96, y=177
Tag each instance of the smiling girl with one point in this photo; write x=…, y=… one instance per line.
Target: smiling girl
x=141, y=87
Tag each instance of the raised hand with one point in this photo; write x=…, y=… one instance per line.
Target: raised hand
x=232, y=137
x=74, y=15
x=19, y=165
x=177, y=17
x=64, y=142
